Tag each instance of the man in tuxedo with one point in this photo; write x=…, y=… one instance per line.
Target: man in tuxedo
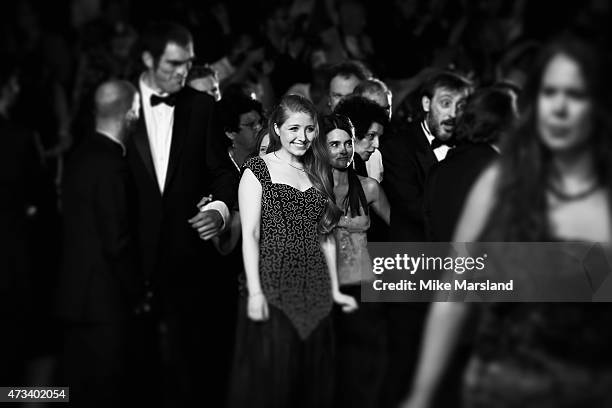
x=168, y=160
x=407, y=158
x=100, y=283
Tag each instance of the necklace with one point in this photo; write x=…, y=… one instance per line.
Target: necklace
x=563, y=196
x=297, y=168
x=231, y=156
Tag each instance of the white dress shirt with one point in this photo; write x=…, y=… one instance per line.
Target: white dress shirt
x=159, y=121
x=441, y=151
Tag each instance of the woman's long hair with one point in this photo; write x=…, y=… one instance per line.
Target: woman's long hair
x=315, y=160
x=355, y=199
x=521, y=209
x=488, y=115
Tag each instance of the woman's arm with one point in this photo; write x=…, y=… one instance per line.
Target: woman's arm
x=227, y=241
x=249, y=201
x=377, y=199
x=445, y=319
x=328, y=246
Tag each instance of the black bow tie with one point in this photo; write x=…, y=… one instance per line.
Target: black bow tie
x=169, y=100
x=439, y=143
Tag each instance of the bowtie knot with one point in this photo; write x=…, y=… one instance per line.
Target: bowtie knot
x=439, y=143
x=169, y=100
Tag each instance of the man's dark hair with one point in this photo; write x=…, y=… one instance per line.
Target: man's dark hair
x=439, y=79
x=362, y=112
x=159, y=34
x=201, y=71
x=444, y=79
x=229, y=109
x=349, y=68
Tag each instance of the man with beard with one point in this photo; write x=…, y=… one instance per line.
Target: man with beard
x=100, y=283
x=407, y=159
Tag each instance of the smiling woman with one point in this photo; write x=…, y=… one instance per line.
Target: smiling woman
x=287, y=211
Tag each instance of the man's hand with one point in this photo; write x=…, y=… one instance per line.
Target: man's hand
x=208, y=223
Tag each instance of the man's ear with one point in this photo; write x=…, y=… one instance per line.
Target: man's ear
x=230, y=135
x=148, y=59
x=426, y=103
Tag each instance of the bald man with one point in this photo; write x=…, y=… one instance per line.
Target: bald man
x=100, y=283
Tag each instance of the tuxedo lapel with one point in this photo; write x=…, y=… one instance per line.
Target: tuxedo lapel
x=180, y=130
x=425, y=156
x=141, y=141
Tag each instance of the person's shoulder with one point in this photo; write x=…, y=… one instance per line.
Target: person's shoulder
x=191, y=96
x=257, y=165
x=254, y=161
x=96, y=152
x=491, y=174
x=405, y=136
x=370, y=186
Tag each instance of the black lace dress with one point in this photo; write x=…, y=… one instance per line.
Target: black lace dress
x=286, y=361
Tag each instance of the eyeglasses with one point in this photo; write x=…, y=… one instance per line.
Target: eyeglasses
x=254, y=125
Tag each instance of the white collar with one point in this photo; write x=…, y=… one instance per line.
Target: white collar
x=427, y=132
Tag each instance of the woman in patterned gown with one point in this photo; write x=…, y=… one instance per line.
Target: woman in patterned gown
x=553, y=183
x=284, y=351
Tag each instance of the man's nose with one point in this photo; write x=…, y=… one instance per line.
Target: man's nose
x=375, y=142
x=182, y=70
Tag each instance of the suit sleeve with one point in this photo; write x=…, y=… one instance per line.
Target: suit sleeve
x=428, y=200
x=404, y=187
x=224, y=178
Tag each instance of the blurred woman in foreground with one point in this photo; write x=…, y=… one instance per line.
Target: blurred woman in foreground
x=552, y=183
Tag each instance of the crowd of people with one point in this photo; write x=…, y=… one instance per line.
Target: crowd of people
x=186, y=202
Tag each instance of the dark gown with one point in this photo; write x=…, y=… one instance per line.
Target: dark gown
x=286, y=361
x=544, y=355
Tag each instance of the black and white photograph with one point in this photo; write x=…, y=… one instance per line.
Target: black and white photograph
x=265, y=203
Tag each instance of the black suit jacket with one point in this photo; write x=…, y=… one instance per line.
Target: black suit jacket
x=22, y=183
x=174, y=258
x=99, y=278
x=448, y=184
x=407, y=158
